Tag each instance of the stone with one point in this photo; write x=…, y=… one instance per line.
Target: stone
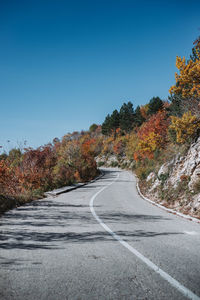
x=151, y=176
x=164, y=169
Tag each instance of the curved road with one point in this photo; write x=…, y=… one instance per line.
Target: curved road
x=101, y=241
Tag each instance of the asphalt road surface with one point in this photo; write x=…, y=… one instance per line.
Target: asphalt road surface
x=101, y=241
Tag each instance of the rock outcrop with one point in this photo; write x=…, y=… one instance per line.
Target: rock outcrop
x=180, y=177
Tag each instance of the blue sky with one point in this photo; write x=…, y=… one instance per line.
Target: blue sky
x=65, y=64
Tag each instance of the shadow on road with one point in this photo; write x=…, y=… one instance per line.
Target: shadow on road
x=52, y=224
x=31, y=240
x=46, y=225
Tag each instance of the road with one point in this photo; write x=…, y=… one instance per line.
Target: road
x=101, y=241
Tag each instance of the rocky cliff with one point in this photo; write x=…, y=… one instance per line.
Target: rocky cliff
x=177, y=183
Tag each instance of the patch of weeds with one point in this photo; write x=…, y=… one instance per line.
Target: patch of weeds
x=163, y=178
x=181, y=193
x=114, y=164
x=196, y=187
x=166, y=194
x=37, y=194
x=144, y=168
x=100, y=163
x=124, y=165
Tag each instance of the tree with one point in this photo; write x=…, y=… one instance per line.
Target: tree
x=187, y=86
x=93, y=127
x=186, y=128
x=188, y=80
x=126, y=115
x=152, y=136
x=195, y=50
x=155, y=104
x=175, y=108
x=111, y=123
x=14, y=156
x=144, y=110
x=106, y=126
x=114, y=121
x=138, y=117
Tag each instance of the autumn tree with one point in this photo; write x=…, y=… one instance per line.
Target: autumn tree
x=14, y=156
x=187, y=87
x=144, y=111
x=185, y=128
x=93, y=127
x=152, y=136
x=188, y=79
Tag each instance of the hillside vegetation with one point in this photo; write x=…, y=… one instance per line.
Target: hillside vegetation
x=154, y=140
x=26, y=175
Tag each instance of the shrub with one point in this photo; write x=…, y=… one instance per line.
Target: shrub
x=152, y=136
x=186, y=127
x=114, y=164
x=100, y=164
x=144, y=168
x=196, y=187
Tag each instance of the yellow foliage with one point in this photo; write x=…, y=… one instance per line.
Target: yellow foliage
x=132, y=142
x=144, y=110
x=188, y=79
x=152, y=136
x=185, y=127
x=108, y=145
x=150, y=143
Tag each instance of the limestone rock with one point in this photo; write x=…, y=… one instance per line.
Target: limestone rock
x=164, y=169
x=151, y=176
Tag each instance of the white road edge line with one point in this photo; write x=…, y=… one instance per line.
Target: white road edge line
x=188, y=217
x=186, y=292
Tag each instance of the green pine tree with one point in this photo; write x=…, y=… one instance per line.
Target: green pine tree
x=126, y=115
x=155, y=104
x=138, y=118
x=106, y=126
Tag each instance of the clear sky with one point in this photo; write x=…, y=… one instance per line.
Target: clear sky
x=65, y=64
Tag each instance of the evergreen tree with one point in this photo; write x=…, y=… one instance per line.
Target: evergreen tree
x=176, y=107
x=155, y=104
x=195, y=50
x=106, y=126
x=114, y=121
x=138, y=118
x=126, y=115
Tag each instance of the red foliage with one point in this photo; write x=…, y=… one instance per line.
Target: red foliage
x=152, y=135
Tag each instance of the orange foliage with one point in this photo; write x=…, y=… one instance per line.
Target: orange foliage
x=152, y=136
x=88, y=147
x=48, y=167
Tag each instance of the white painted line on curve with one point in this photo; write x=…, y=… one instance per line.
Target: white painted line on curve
x=185, y=291
x=188, y=217
x=190, y=232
